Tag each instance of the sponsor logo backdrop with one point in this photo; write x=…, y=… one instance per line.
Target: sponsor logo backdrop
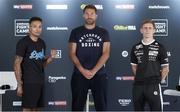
x=121, y=18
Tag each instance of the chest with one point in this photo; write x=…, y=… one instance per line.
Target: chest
x=35, y=51
x=147, y=53
x=90, y=40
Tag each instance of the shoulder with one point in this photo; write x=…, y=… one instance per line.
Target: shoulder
x=23, y=40
x=159, y=44
x=78, y=28
x=101, y=29
x=137, y=46
x=42, y=41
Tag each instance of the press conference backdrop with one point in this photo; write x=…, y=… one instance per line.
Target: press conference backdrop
x=121, y=18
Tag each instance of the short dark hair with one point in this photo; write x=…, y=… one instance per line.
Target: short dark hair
x=148, y=21
x=90, y=6
x=35, y=19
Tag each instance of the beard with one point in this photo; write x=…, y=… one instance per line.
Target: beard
x=89, y=21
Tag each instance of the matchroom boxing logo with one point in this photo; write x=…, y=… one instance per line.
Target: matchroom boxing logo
x=21, y=27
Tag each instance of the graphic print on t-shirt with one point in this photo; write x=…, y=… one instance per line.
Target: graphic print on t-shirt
x=90, y=40
x=37, y=55
x=152, y=50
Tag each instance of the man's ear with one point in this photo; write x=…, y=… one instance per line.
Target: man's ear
x=141, y=30
x=96, y=16
x=154, y=30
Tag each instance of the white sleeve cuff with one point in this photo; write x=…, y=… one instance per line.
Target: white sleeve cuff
x=165, y=64
x=133, y=64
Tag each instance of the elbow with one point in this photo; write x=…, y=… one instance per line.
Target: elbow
x=72, y=55
x=167, y=71
x=14, y=66
x=106, y=55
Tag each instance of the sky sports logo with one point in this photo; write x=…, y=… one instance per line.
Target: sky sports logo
x=57, y=103
x=23, y=6
x=21, y=27
x=125, y=78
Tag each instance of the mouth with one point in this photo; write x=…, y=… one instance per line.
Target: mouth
x=89, y=19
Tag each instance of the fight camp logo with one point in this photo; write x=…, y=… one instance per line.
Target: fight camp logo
x=21, y=27
x=124, y=78
x=161, y=27
x=37, y=55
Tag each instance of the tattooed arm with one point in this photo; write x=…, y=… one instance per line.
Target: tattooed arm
x=18, y=74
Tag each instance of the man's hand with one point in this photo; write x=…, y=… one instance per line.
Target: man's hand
x=87, y=73
x=53, y=53
x=93, y=71
x=19, y=90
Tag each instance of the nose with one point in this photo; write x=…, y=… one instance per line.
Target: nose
x=89, y=16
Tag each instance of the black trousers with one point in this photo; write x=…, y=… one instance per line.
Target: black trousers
x=147, y=93
x=33, y=96
x=80, y=86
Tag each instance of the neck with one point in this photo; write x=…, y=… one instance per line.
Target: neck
x=90, y=26
x=34, y=38
x=147, y=40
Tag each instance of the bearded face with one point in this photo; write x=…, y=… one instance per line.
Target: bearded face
x=90, y=16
